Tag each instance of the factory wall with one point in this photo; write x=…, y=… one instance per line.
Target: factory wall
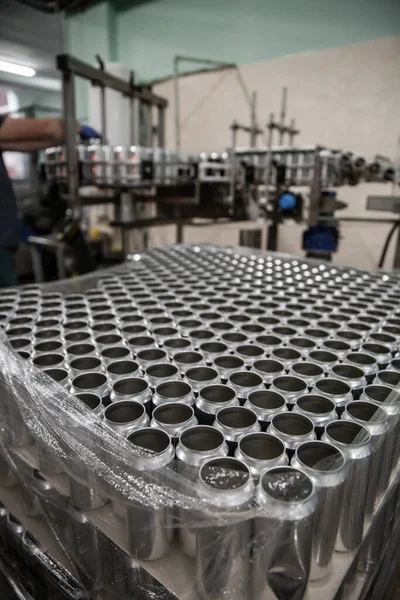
x=151, y=33
x=345, y=98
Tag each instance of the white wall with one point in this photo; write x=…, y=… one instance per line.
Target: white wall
x=347, y=98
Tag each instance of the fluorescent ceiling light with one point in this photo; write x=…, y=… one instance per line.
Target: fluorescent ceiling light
x=16, y=69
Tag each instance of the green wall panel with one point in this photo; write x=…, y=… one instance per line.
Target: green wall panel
x=150, y=33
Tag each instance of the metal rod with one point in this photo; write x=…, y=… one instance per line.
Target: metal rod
x=68, y=87
x=270, y=127
x=177, y=105
x=253, y=120
x=315, y=191
x=283, y=115
x=102, y=101
x=132, y=108
x=161, y=127
x=69, y=64
x=205, y=61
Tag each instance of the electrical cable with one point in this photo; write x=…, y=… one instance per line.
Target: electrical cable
x=387, y=242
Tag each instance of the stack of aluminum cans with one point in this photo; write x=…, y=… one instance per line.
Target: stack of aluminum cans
x=270, y=382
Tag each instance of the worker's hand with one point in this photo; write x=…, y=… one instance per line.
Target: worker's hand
x=86, y=132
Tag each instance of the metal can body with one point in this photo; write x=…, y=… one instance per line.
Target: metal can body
x=261, y=451
x=355, y=443
x=150, y=529
x=376, y=421
x=223, y=549
x=326, y=467
x=196, y=445
x=283, y=530
x=235, y=422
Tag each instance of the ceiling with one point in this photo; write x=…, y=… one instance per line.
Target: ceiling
x=31, y=38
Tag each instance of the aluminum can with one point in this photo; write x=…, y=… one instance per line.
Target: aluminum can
x=290, y=387
x=150, y=529
x=93, y=403
x=386, y=377
x=174, y=418
x=173, y=391
x=61, y=376
x=235, y=422
x=125, y=416
x=355, y=443
x=85, y=364
x=211, y=399
x=199, y=377
x=293, y=429
x=95, y=383
x=245, y=382
x=364, y=361
x=326, y=466
x=308, y=371
x=266, y=404
x=353, y=376
x=145, y=358
x=196, y=445
x=46, y=361
x=320, y=409
x=227, y=482
x=261, y=451
x=336, y=390
x=122, y=369
x=114, y=353
x=227, y=364
x=376, y=421
x=268, y=369
x=283, y=534
x=159, y=372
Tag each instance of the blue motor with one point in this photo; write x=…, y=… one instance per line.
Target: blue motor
x=320, y=240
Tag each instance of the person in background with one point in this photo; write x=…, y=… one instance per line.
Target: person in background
x=23, y=135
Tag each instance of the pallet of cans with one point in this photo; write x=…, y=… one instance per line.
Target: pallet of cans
x=207, y=423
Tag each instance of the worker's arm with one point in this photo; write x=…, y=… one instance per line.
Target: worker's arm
x=27, y=135
x=31, y=130
x=25, y=146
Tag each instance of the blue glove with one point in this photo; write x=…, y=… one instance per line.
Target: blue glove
x=86, y=132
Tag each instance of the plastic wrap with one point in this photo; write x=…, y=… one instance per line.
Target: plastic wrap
x=124, y=509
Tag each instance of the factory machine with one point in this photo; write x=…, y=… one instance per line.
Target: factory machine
x=275, y=182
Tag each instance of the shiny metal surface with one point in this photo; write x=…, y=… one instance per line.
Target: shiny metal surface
x=95, y=383
x=287, y=498
x=173, y=391
x=121, y=369
x=261, y=451
x=125, y=416
x=229, y=483
x=326, y=466
x=352, y=375
x=293, y=429
x=196, y=445
x=131, y=388
x=290, y=387
x=174, y=418
x=150, y=530
x=211, y=399
x=338, y=391
x=320, y=409
x=354, y=441
x=235, y=422
x=159, y=372
x=245, y=382
x=61, y=376
x=376, y=421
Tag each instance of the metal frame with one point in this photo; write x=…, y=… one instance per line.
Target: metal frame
x=70, y=68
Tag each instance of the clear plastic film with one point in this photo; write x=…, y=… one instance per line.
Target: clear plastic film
x=189, y=482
